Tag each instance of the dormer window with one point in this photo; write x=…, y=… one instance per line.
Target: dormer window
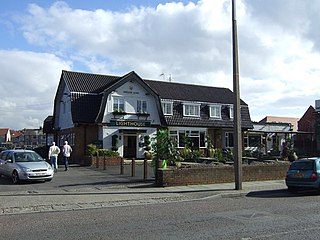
x=167, y=108
x=215, y=111
x=191, y=110
x=142, y=106
x=118, y=104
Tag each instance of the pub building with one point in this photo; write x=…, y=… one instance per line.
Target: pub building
x=99, y=109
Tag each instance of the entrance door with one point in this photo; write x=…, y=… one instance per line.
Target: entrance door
x=130, y=146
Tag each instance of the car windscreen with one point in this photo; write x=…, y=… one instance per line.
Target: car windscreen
x=303, y=165
x=27, y=157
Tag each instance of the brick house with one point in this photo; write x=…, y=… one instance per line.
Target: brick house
x=306, y=140
x=5, y=136
x=93, y=108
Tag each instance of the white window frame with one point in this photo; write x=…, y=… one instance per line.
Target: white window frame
x=185, y=134
x=192, y=111
x=228, y=137
x=231, y=111
x=215, y=111
x=167, y=108
x=142, y=106
x=118, y=101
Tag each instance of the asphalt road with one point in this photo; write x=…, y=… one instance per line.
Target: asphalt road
x=272, y=214
x=87, y=203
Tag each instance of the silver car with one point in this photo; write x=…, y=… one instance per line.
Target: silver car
x=25, y=165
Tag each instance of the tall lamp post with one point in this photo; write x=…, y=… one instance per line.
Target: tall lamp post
x=237, y=114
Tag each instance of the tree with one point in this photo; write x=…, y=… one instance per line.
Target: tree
x=164, y=147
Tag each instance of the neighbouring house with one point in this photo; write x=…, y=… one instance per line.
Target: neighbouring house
x=276, y=119
x=119, y=111
x=28, y=138
x=306, y=140
x=269, y=137
x=17, y=138
x=317, y=125
x=271, y=133
x=33, y=137
x=5, y=137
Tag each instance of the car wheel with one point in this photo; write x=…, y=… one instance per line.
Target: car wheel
x=292, y=189
x=15, y=177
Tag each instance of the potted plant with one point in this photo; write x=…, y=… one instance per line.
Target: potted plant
x=114, y=143
x=118, y=113
x=147, y=148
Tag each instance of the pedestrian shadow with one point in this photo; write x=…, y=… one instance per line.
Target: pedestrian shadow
x=146, y=186
x=109, y=182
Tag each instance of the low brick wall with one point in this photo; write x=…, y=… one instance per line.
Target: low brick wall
x=103, y=162
x=203, y=174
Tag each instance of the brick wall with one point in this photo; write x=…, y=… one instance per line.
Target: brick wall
x=84, y=136
x=220, y=174
x=103, y=162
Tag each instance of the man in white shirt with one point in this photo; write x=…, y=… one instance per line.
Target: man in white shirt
x=66, y=150
x=53, y=156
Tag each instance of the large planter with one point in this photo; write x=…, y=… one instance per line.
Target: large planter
x=193, y=174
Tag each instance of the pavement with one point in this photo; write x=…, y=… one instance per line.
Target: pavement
x=124, y=191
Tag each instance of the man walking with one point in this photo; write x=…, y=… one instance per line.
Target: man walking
x=66, y=150
x=53, y=156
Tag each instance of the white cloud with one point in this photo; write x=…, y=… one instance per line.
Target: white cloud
x=278, y=47
x=28, y=86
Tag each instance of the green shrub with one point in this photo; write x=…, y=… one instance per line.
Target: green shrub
x=196, y=154
x=92, y=149
x=185, y=153
x=108, y=153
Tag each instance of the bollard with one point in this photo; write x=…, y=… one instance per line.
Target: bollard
x=104, y=162
x=145, y=169
x=121, y=166
x=133, y=167
x=97, y=161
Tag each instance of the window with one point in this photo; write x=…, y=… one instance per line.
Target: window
x=305, y=165
x=174, y=137
x=142, y=106
x=229, y=139
x=231, y=111
x=193, y=139
x=215, y=111
x=167, y=108
x=118, y=104
x=191, y=110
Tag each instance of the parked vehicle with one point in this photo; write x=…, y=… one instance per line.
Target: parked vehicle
x=24, y=165
x=304, y=174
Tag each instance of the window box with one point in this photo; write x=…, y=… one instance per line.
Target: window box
x=143, y=114
x=118, y=113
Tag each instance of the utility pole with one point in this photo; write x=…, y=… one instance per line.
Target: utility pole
x=237, y=151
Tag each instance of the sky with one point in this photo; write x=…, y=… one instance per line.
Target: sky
x=187, y=41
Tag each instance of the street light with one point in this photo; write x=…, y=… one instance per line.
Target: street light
x=237, y=151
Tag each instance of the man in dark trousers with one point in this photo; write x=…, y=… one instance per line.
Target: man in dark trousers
x=66, y=150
